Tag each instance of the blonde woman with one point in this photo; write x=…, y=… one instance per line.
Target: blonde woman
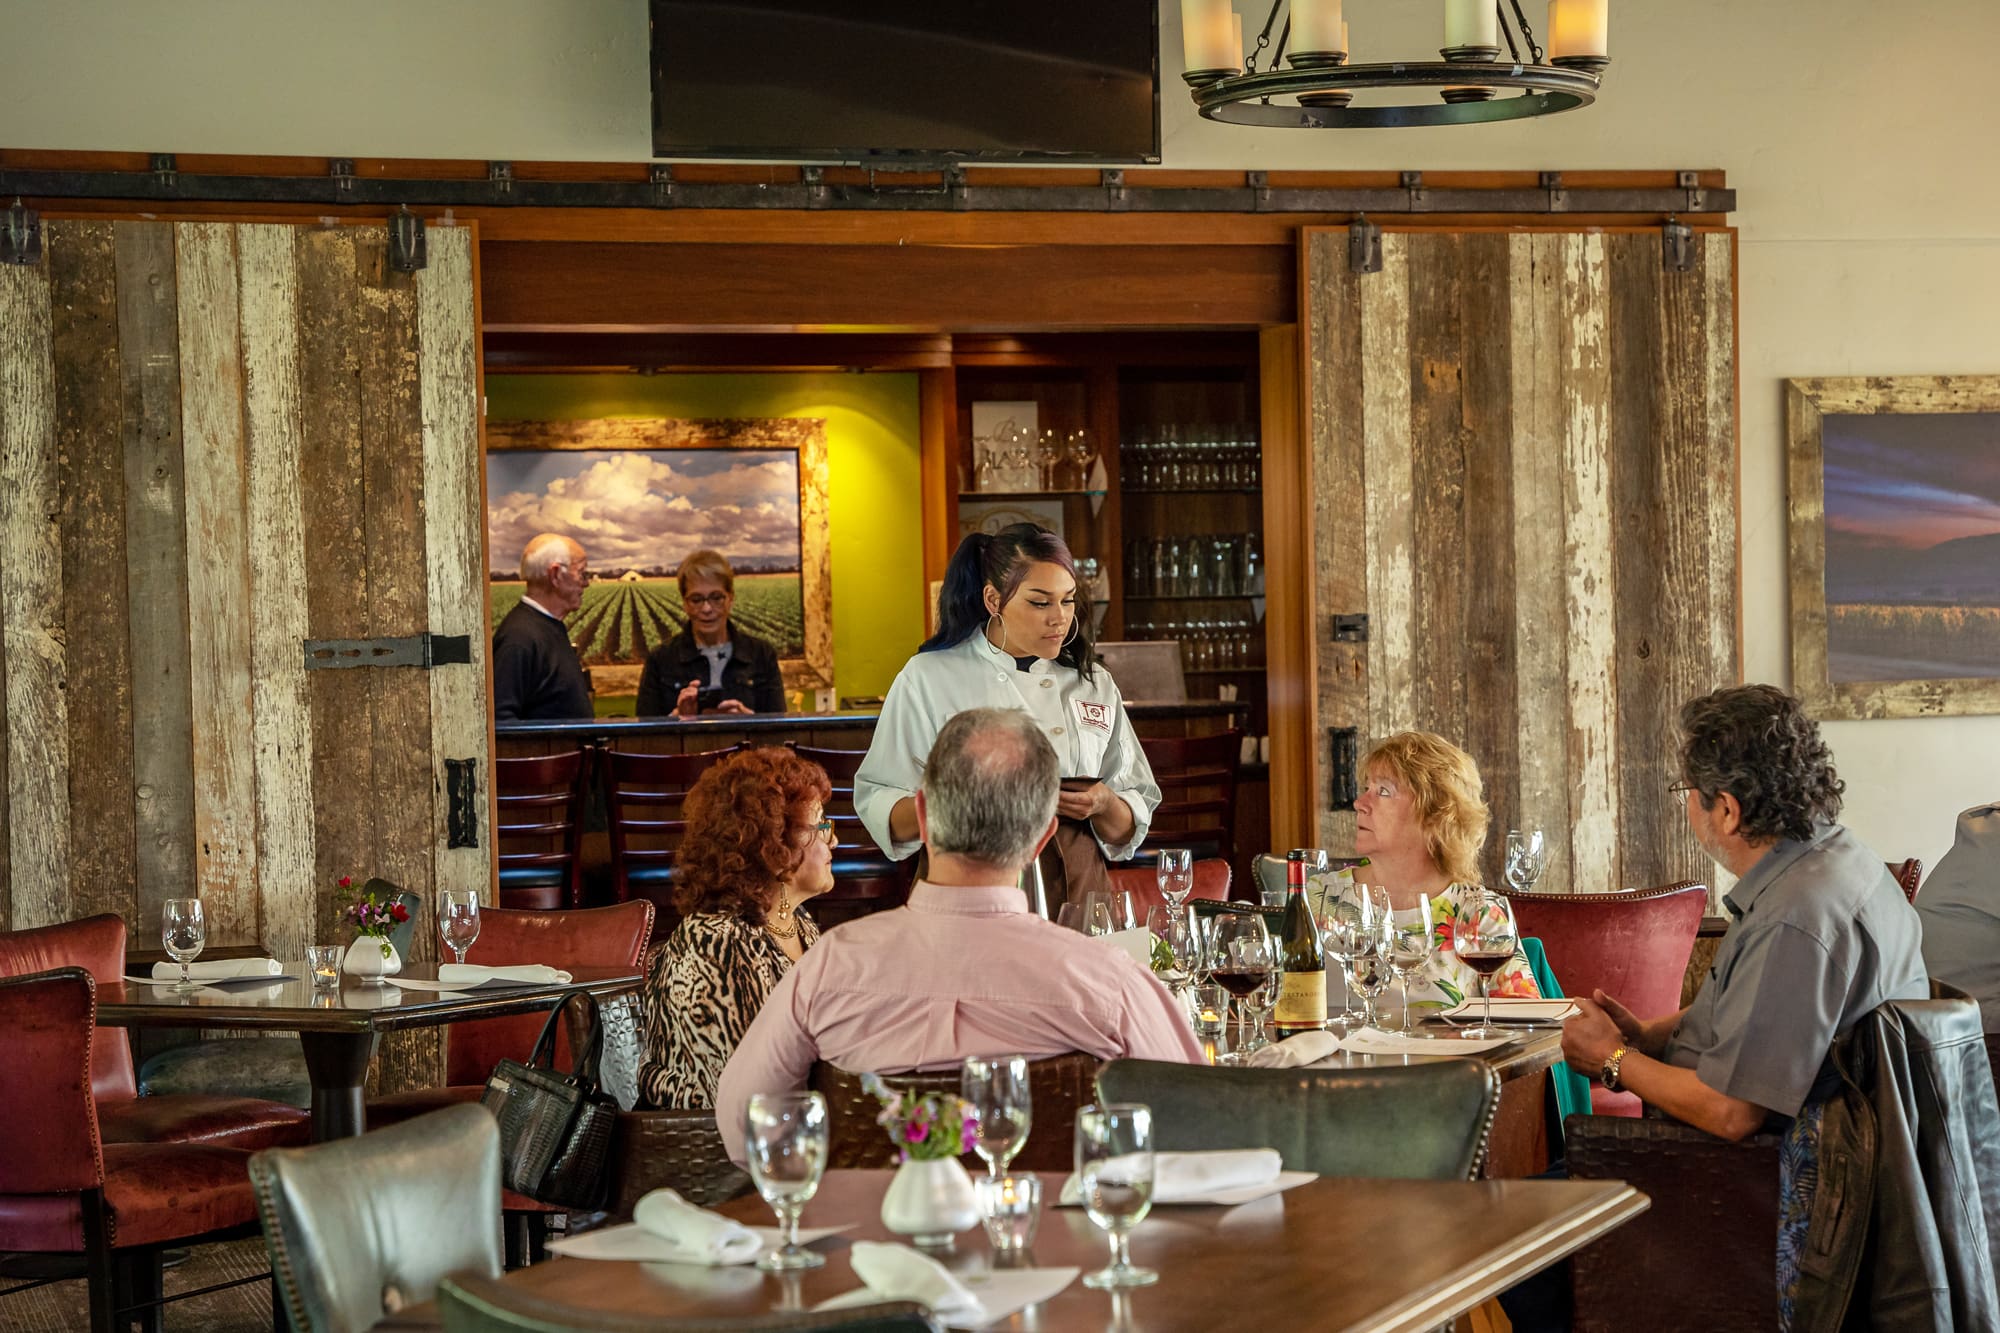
x=711, y=666
x=1421, y=820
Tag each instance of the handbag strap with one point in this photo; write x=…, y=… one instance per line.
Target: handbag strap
x=586, y=1055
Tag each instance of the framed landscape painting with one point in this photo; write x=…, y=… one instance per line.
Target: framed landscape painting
x=1895, y=528
x=640, y=495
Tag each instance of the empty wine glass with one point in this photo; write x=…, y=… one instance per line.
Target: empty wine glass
x=1048, y=452
x=786, y=1138
x=996, y=1087
x=1114, y=1168
x=183, y=932
x=1410, y=951
x=1176, y=871
x=1077, y=449
x=1368, y=967
x=458, y=919
x=1524, y=859
x=1485, y=941
x=1343, y=922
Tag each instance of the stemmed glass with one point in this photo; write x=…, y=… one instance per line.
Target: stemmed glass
x=1048, y=453
x=1176, y=871
x=1242, y=958
x=458, y=919
x=1524, y=859
x=786, y=1137
x=996, y=1086
x=1410, y=951
x=1081, y=455
x=183, y=932
x=1343, y=925
x=1171, y=927
x=1114, y=1167
x=1369, y=971
x=1485, y=942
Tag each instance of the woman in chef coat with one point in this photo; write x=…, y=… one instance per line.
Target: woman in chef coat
x=1011, y=635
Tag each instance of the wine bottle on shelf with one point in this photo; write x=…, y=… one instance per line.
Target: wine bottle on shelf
x=1302, y=993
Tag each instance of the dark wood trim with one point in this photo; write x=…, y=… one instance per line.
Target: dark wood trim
x=1288, y=553
x=937, y=415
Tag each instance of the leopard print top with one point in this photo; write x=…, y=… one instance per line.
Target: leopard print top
x=707, y=982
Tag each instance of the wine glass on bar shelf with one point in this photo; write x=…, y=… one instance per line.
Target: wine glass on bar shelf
x=996, y=1087
x=1048, y=453
x=1485, y=942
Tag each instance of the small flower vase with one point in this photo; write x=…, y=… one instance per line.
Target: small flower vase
x=930, y=1202
x=372, y=960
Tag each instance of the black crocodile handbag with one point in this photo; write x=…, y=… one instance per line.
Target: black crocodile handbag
x=555, y=1129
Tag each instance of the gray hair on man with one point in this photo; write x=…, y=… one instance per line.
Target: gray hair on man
x=543, y=553
x=990, y=786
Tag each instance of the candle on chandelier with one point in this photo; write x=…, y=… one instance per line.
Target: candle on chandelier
x=1207, y=29
x=1579, y=29
x=1317, y=26
x=1470, y=23
x=1236, y=37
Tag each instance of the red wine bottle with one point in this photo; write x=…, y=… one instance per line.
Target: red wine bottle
x=1302, y=995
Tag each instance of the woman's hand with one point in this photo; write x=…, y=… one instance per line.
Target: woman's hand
x=1084, y=802
x=734, y=706
x=687, y=703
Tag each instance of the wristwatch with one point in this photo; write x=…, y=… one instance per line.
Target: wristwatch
x=1608, y=1075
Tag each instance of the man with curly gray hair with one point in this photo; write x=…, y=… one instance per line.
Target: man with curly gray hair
x=1822, y=933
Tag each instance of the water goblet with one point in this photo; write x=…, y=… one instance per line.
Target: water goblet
x=1485, y=942
x=1175, y=869
x=183, y=932
x=996, y=1087
x=458, y=919
x=786, y=1138
x=1410, y=951
x=1077, y=449
x=1524, y=859
x=1114, y=1167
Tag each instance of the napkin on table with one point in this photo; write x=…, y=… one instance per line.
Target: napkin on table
x=899, y=1273
x=219, y=969
x=1137, y=942
x=1195, y=1177
x=703, y=1237
x=1306, y=1048
x=472, y=974
x=1368, y=1041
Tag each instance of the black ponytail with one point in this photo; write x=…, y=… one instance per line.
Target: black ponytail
x=1000, y=560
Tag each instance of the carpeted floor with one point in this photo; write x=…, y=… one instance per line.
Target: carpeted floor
x=64, y=1306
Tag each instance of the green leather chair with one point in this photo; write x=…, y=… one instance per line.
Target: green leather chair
x=1416, y=1122
x=471, y=1304
x=350, y=1221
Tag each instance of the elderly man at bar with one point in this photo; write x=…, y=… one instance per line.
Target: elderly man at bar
x=964, y=968
x=537, y=675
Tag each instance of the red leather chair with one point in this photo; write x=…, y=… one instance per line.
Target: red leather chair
x=69, y=1192
x=1211, y=881
x=97, y=945
x=864, y=879
x=1908, y=874
x=1632, y=946
x=538, y=829
x=644, y=794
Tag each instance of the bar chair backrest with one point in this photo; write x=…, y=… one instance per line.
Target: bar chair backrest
x=1908, y=874
x=538, y=828
x=1632, y=946
x=1211, y=883
x=96, y=944
x=1197, y=778
x=864, y=878
x=644, y=794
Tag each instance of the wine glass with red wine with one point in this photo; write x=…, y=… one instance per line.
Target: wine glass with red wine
x=1486, y=943
x=1242, y=958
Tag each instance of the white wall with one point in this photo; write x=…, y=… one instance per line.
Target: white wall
x=1859, y=137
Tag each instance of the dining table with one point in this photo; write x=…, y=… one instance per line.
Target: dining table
x=1370, y=1256
x=340, y=1026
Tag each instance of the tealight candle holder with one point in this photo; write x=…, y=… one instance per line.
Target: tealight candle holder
x=324, y=962
x=1011, y=1207
x=1211, y=1005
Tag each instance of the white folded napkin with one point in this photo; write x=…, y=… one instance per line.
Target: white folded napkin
x=472, y=974
x=697, y=1235
x=219, y=969
x=1307, y=1048
x=1369, y=1041
x=628, y=1242
x=1137, y=942
x=1520, y=1009
x=1199, y=1177
x=899, y=1273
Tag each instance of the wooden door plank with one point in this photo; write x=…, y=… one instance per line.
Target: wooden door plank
x=1541, y=643
x=454, y=528
x=282, y=745
x=156, y=566
x=31, y=606
x=1724, y=522
x=1590, y=591
x=1386, y=473
x=83, y=297
x=1437, y=442
x=218, y=570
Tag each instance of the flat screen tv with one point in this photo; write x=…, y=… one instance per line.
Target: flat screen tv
x=913, y=81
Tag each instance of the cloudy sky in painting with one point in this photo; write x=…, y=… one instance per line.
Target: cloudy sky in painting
x=1911, y=482
x=644, y=509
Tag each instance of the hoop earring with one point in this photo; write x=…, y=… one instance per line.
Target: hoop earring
x=1002, y=645
x=1075, y=627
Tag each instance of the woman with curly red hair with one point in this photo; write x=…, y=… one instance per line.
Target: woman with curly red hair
x=757, y=847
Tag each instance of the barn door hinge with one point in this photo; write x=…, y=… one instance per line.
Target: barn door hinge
x=424, y=650
x=342, y=171
x=165, y=168
x=1343, y=782
x=1676, y=245
x=406, y=241
x=1116, y=196
x=21, y=238
x=461, y=790
x=1351, y=629
x=1364, y=245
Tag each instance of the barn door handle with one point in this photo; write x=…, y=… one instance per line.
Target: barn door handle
x=1344, y=787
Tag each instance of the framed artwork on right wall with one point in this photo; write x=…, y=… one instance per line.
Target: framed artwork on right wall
x=1895, y=544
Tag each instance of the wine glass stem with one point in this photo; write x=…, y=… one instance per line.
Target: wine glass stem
x=791, y=1226
x=1486, y=996
x=186, y=982
x=1121, y=1258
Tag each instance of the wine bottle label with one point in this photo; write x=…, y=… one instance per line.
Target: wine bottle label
x=1301, y=1001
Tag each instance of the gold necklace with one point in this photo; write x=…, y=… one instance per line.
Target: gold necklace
x=784, y=914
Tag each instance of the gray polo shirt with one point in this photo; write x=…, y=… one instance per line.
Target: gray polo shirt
x=1960, y=909
x=1823, y=936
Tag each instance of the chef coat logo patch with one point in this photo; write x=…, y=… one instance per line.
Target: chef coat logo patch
x=1094, y=715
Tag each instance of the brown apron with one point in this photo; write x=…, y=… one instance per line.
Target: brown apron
x=1072, y=865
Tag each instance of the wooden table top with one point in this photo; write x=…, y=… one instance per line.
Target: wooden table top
x=1377, y=1255
x=294, y=1006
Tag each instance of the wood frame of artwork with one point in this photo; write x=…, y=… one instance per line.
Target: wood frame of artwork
x=1807, y=403
x=806, y=435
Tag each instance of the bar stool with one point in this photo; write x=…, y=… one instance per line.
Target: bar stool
x=644, y=796
x=538, y=827
x=864, y=879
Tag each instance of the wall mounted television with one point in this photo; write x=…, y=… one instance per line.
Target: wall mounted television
x=907, y=81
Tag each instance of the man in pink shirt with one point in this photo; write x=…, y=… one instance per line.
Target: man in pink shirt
x=965, y=968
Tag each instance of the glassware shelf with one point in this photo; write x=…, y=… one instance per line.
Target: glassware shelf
x=1020, y=495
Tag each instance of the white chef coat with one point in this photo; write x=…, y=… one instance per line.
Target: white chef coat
x=1084, y=720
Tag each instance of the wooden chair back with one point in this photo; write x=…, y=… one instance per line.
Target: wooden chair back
x=538, y=828
x=864, y=879
x=643, y=798
x=1057, y=1086
x=1197, y=777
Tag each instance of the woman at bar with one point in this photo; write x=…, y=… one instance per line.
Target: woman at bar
x=1010, y=636
x=756, y=849
x=711, y=666
x=1421, y=820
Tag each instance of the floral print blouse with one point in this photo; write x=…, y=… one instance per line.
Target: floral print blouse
x=1445, y=980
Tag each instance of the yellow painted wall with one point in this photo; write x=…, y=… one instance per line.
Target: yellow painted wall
x=871, y=466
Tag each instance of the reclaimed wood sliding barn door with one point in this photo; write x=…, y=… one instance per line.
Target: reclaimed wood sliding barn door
x=220, y=441
x=1524, y=473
